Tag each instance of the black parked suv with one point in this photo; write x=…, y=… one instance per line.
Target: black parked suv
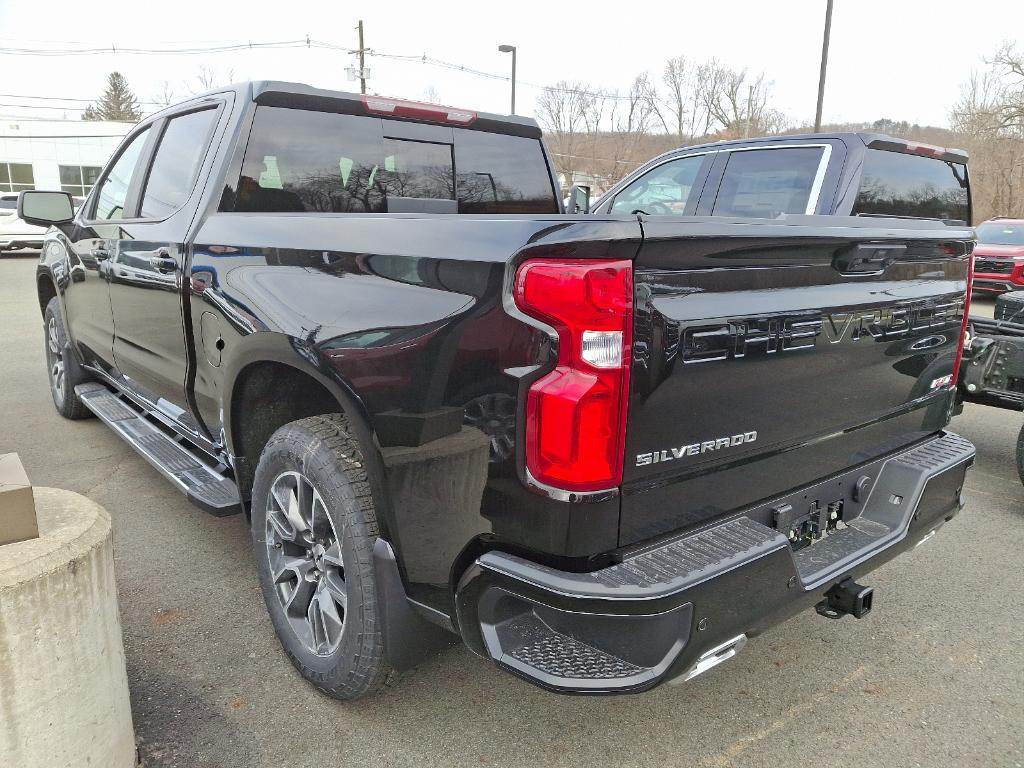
x=602, y=449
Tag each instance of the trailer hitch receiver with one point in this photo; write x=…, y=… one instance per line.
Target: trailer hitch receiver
x=846, y=597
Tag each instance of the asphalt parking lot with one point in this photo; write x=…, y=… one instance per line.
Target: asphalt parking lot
x=933, y=677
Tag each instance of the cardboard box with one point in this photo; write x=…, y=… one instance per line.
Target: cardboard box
x=17, y=505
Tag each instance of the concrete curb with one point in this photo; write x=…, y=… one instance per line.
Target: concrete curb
x=63, y=687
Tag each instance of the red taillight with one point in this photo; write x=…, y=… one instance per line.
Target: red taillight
x=377, y=105
x=576, y=414
x=963, y=326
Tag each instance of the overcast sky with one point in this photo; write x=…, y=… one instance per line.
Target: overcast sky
x=899, y=59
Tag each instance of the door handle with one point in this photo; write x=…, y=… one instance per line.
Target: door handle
x=100, y=254
x=163, y=263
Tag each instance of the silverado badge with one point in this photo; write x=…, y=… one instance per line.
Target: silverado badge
x=695, y=449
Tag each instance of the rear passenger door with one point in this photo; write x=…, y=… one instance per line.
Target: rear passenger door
x=146, y=271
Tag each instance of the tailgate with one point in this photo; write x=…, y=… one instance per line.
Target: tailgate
x=767, y=356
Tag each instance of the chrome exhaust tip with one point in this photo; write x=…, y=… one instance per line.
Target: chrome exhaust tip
x=712, y=658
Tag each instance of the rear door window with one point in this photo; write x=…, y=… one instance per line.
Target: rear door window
x=299, y=160
x=176, y=163
x=766, y=183
x=898, y=184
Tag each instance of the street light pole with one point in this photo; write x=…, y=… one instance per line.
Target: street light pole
x=824, y=65
x=511, y=49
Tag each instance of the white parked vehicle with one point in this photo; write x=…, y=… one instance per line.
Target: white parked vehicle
x=15, y=234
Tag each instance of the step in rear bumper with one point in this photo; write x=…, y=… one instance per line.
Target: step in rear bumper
x=678, y=608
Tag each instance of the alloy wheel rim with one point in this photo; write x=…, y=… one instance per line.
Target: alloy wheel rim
x=55, y=358
x=306, y=563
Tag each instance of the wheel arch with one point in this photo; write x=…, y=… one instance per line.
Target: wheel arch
x=268, y=388
x=46, y=289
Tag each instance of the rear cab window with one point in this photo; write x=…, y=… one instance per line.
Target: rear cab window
x=300, y=160
x=912, y=186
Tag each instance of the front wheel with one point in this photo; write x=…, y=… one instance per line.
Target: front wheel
x=313, y=529
x=62, y=369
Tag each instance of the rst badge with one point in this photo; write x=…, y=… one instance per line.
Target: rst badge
x=695, y=449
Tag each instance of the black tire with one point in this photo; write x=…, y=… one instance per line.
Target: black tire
x=62, y=369
x=1020, y=455
x=323, y=451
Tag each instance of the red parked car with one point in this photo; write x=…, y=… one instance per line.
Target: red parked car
x=999, y=256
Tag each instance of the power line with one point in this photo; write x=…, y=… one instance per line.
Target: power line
x=193, y=49
x=41, y=98
x=62, y=98
x=113, y=48
x=44, y=107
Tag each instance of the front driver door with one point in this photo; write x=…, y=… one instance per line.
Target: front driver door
x=92, y=242
x=146, y=274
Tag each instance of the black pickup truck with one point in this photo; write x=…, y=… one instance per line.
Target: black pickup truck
x=603, y=449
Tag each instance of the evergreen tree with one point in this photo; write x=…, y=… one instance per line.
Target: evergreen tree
x=117, y=102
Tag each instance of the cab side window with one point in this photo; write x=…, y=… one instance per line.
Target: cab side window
x=176, y=163
x=662, y=190
x=114, y=188
x=766, y=183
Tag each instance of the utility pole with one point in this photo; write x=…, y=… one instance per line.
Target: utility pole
x=511, y=49
x=362, y=56
x=824, y=65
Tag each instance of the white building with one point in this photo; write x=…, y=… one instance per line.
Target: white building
x=55, y=154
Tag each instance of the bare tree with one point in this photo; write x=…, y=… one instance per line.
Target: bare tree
x=599, y=136
x=1010, y=63
x=568, y=110
x=990, y=117
x=631, y=119
x=674, y=109
x=208, y=79
x=738, y=102
x=165, y=97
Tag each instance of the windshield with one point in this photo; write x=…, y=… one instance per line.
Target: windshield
x=998, y=233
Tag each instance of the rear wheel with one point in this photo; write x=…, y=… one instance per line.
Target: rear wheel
x=62, y=369
x=313, y=529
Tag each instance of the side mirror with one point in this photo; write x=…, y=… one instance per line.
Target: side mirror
x=579, y=199
x=44, y=209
